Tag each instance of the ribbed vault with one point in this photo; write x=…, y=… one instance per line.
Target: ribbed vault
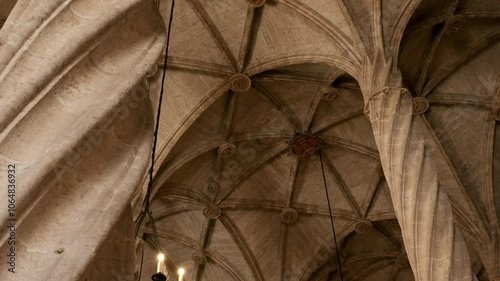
x=227, y=184
x=230, y=199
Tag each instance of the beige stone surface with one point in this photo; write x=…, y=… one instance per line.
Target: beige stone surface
x=75, y=121
x=404, y=96
x=292, y=59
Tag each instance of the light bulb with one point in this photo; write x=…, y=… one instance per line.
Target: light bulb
x=161, y=258
x=181, y=272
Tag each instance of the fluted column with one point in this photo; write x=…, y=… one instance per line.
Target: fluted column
x=435, y=247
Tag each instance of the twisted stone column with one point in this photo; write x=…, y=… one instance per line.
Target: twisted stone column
x=75, y=135
x=435, y=247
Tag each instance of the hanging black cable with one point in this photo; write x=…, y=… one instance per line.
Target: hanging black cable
x=331, y=216
x=142, y=262
x=146, y=202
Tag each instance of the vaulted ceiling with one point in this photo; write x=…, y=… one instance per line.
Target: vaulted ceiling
x=232, y=202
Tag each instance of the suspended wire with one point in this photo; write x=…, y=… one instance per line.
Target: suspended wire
x=146, y=203
x=142, y=262
x=158, y=114
x=331, y=217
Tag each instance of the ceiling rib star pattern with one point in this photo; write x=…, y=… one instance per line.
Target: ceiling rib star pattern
x=230, y=200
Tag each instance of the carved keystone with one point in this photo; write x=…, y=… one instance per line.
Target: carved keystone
x=454, y=24
x=363, y=226
x=289, y=215
x=199, y=257
x=212, y=212
x=240, y=83
x=226, y=150
x=256, y=3
x=420, y=105
x=304, y=144
x=329, y=93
